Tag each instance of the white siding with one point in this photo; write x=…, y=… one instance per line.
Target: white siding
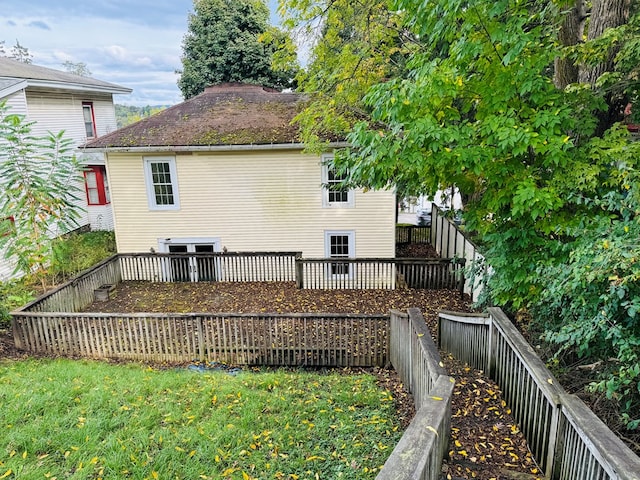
x=63, y=111
x=6, y=268
x=17, y=102
x=105, y=115
x=251, y=201
x=100, y=217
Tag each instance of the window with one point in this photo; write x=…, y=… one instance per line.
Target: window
x=340, y=245
x=333, y=194
x=89, y=119
x=96, y=185
x=162, y=184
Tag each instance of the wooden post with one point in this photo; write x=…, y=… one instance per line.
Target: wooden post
x=461, y=262
x=299, y=271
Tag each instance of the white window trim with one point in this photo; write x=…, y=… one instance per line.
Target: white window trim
x=350, y=203
x=351, y=234
x=151, y=196
x=163, y=243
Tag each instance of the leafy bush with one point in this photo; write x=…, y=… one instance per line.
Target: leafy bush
x=591, y=302
x=13, y=294
x=71, y=254
x=78, y=251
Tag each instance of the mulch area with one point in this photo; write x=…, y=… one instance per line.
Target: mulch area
x=271, y=297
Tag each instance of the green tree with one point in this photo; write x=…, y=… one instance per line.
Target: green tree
x=41, y=180
x=225, y=43
x=537, y=154
x=77, y=68
x=353, y=46
x=128, y=114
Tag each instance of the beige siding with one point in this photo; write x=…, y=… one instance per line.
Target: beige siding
x=7, y=267
x=251, y=201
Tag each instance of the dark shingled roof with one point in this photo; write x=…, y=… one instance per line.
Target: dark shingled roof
x=225, y=114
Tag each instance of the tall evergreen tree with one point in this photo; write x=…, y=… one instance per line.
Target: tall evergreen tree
x=231, y=41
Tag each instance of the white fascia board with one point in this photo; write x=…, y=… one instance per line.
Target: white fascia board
x=80, y=87
x=13, y=89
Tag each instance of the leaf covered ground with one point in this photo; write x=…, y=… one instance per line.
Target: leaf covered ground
x=485, y=443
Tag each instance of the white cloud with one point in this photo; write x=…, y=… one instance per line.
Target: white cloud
x=134, y=44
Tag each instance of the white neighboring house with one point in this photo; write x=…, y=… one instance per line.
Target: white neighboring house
x=81, y=106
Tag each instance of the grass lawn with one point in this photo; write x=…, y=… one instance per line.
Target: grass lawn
x=66, y=419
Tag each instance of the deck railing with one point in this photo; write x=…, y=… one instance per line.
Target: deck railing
x=566, y=438
x=210, y=267
x=379, y=273
x=423, y=446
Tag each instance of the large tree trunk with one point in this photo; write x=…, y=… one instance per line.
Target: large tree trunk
x=605, y=14
x=571, y=31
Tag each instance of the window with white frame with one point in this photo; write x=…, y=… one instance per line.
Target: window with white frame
x=334, y=195
x=340, y=244
x=162, y=183
x=89, y=119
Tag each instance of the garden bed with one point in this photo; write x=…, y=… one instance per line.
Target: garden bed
x=271, y=297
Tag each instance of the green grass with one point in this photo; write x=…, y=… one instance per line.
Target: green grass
x=64, y=419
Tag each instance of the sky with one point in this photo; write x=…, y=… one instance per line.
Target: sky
x=132, y=43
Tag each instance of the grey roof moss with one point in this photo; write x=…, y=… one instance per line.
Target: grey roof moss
x=225, y=114
x=12, y=70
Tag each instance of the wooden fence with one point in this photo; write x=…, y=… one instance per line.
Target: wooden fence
x=376, y=273
x=241, y=339
x=566, y=438
x=412, y=234
x=210, y=267
x=451, y=242
x=348, y=273
x=77, y=293
x=423, y=446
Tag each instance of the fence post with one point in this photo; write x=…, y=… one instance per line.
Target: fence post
x=556, y=444
x=461, y=262
x=299, y=271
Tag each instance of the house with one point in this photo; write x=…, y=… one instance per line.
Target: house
x=81, y=106
x=226, y=171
